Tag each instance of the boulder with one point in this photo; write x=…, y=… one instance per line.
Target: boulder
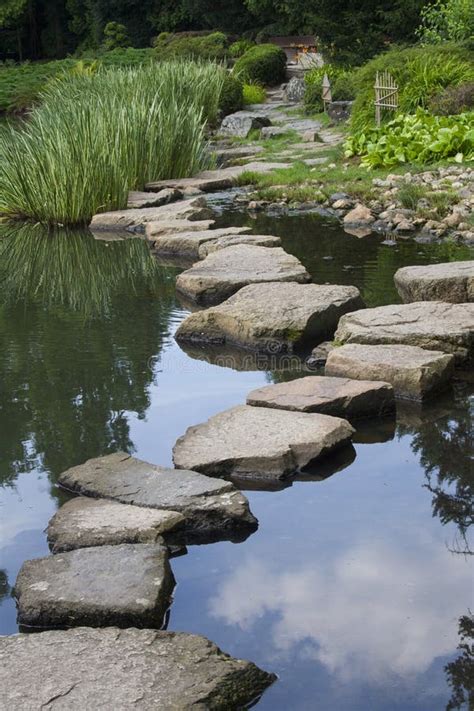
x=359, y=216
x=274, y=317
x=124, y=585
x=241, y=123
x=295, y=89
x=140, y=199
x=415, y=373
x=187, y=243
x=319, y=355
x=84, y=523
x=192, y=209
x=433, y=325
x=226, y=271
x=86, y=668
x=341, y=397
x=452, y=282
x=259, y=443
x=231, y=240
x=212, y=509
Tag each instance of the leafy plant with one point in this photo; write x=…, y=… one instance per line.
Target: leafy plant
x=238, y=49
x=115, y=36
x=447, y=20
x=254, y=94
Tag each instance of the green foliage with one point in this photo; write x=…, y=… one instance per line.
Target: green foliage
x=313, y=98
x=94, y=138
x=212, y=46
x=409, y=194
x=420, y=72
x=254, y=94
x=447, y=20
x=453, y=100
x=264, y=64
x=343, y=88
x=417, y=138
x=11, y=11
x=115, y=36
x=238, y=49
x=231, y=98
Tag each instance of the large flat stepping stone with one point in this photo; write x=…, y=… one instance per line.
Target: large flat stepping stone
x=414, y=372
x=84, y=522
x=192, y=209
x=138, y=199
x=433, y=325
x=341, y=397
x=154, y=230
x=224, y=272
x=274, y=317
x=259, y=443
x=452, y=282
x=214, y=509
x=125, y=585
x=210, y=181
x=188, y=242
x=85, y=668
x=231, y=240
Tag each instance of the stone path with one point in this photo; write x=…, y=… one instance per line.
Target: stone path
x=82, y=669
x=210, y=181
x=452, y=282
x=193, y=209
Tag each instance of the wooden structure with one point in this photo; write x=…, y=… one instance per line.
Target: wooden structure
x=327, y=94
x=386, y=94
x=295, y=45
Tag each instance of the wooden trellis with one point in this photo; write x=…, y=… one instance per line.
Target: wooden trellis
x=327, y=95
x=386, y=94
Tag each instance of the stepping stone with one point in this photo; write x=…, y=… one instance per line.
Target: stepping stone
x=187, y=243
x=224, y=272
x=212, y=509
x=414, y=372
x=125, y=585
x=231, y=240
x=259, y=443
x=433, y=325
x=123, y=669
x=341, y=397
x=137, y=199
x=452, y=282
x=210, y=181
x=154, y=230
x=241, y=123
x=274, y=317
x=84, y=522
x=192, y=209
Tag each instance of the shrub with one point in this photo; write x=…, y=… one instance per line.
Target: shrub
x=238, y=49
x=254, y=94
x=94, y=138
x=211, y=46
x=343, y=88
x=313, y=99
x=447, y=20
x=264, y=64
x=231, y=98
x=453, y=100
x=416, y=138
x=115, y=36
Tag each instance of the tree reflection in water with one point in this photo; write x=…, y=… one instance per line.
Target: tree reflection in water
x=460, y=672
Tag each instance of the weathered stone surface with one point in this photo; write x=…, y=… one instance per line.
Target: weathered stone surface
x=225, y=155
x=259, y=443
x=319, y=355
x=84, y=522
x=339, y=110
x=360, y=215
x=192, y=209
x=226, y=271
x=211, y=507
x=452, y=282
x=433, y=325
x=341, y=397
x=138, y=199
x=273, y=317
x=414, y=372
x=187, y=243
x=153, y=230
x=231, y=240
x=242, y=122
x=214, y=180
x=125, y=585
x=84, y=668
x=295, y=89
x=272, y=131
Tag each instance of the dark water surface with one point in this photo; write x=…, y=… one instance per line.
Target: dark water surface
x=353, y=586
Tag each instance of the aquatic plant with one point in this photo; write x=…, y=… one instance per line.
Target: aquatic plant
x=95, y=137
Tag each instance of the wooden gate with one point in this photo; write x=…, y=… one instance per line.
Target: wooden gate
x=386, y=94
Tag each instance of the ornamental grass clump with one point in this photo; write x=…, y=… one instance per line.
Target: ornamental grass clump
x=95, y=137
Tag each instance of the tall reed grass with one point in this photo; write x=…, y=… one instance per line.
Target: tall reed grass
x=94, y=138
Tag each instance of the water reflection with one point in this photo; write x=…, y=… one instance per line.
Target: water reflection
x=460, y=672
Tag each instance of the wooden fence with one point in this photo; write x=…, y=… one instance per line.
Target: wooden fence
x=386, y=94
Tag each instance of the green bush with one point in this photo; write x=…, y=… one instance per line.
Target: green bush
x=115, y=36
x=264, y=64
x=231, y=98
x=420, y=72
x=343, y=88
x=238, y=49
x=447, y=20
x=415, y=138
x=211, y=46
x=254, y=94
x=313, y=99
x=453, y=100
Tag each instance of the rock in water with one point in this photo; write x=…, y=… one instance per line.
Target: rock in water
x=224, y=272
x=82, y=669
x=273, y=317
x=188, y=242
x=211, y=508
x=85, y=522
x=241, y=123
x=359, y=216
x=414, y=372
x=137, y=199
x=433, y=325
x=193, y=209
x=259, y=443
x=341, y=397
x=452, y=282
x=232, y=240
x=125, y=585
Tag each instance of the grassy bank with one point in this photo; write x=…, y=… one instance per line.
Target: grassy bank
x=95, y=137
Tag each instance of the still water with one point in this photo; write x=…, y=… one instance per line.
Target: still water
x=353, y=586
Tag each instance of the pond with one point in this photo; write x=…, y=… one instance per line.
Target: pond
x=352, y=588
